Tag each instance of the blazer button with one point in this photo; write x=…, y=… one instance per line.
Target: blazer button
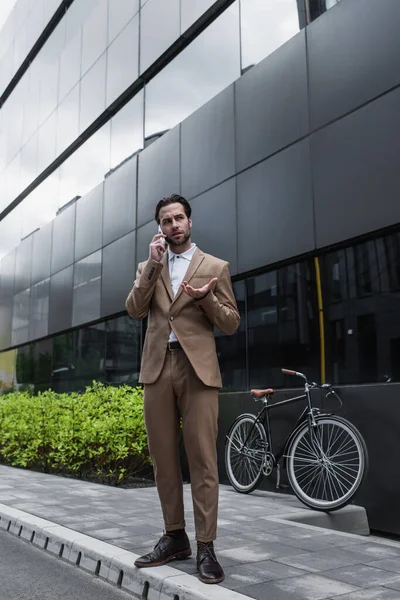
x=171, y=318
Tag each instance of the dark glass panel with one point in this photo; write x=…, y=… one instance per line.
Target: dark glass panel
x=123, y=345
x=231, y=349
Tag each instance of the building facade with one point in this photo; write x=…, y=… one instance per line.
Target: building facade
x=275, y=118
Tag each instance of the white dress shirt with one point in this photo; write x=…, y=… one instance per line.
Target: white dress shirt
x=178, y=264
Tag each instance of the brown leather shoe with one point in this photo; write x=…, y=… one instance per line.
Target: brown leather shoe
x=210, y=571
x=169, y=547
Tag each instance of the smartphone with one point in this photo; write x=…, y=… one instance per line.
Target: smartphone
x=162, y=239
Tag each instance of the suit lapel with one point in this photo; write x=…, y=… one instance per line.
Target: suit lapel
x=196, y=261
x=165, y=276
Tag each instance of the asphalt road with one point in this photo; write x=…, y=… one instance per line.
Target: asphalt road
x=27, y=573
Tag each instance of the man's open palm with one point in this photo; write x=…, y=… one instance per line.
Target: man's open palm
x=198, y=293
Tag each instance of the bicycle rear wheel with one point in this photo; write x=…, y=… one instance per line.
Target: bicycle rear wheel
x=245, y=448
x=327, y=465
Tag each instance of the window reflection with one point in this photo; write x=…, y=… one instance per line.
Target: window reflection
x=191, y=10
x=39, y=311
x=363, y=326
x=282, y=325
x=68, y=120
x=127, y=131
x=20, y=322
x=159, y=28
x=123, y=60
x=266, y=25
x=93, y=93
x=87, y=289
x=40, y=207
x=201, y=71
x=94, y=35
x=120, y=12
x=231, y=350
x=87, y=167
x=123, y=343
x=89, y=351
x=70, y=66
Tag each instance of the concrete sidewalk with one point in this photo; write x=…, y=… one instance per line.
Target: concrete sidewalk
x=266, y=555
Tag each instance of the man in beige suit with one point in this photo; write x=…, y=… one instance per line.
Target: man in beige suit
x=185, y=293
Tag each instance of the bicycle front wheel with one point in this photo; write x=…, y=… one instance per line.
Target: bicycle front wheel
x=244, y=453
x=327, y=464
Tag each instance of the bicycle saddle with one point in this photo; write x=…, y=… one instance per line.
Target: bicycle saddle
x=260, y=393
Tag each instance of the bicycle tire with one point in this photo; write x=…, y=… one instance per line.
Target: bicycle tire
x=244, y=464
x=337, y=439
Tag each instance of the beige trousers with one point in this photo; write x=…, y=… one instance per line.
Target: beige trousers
x=178, y=392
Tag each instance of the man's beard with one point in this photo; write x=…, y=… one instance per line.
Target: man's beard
x=171, y=242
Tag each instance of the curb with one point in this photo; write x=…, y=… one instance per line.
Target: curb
x=350, y=519
x=108, y=562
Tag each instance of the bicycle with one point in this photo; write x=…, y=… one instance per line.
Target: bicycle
x=325, y=456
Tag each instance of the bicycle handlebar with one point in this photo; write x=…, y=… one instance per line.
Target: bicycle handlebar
x=294, y=373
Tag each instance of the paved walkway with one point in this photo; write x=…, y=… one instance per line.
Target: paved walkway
x=263, y=557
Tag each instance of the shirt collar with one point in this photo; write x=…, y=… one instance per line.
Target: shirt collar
x=187, y=255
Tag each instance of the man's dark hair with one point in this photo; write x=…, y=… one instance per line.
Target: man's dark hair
x=171, y=200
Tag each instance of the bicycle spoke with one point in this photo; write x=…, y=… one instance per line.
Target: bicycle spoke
x=325, y=463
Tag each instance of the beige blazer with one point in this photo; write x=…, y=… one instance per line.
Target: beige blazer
x=192, y=321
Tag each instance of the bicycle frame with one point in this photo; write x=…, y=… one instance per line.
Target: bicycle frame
x=308, y=413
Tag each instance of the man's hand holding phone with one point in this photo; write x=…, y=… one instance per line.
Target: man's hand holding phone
x=158, y=246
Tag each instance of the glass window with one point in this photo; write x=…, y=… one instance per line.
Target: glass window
x=63, y=366
x=122, y=62
x=42, y=360
x=87, y=289
x=68, y=120
x=25, y=365
x=335, y=276
x=20, y=322
x=60, y=310
x=14, y=181
x=41, y=253
x=89, y=351
x=46, y=151
x=8, y=365
x=191, y=10
x=48, y=89
x=23, y=264
x=363, y=328
x=77, y=13
x=10, y=231
x=40, y=207
x=120, y=12
x=89, y=222
x=120, y=202
x=282, y=325
x=318, y=7
x=31, y=109
x=199, y=73
x=29, y=161
x=39, y=311
x=231, y=349
x=70, y=66
x=266, y=25
x=62, y=254
x=93, y=94
x=94, y=35
x=127, y=130
x=87, y=167
x=123, y=345
x=159, y=28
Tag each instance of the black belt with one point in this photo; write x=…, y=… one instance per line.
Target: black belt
x=174, y=346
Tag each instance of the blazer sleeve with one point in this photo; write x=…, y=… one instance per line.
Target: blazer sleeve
x=138, y=302
x=220, y=304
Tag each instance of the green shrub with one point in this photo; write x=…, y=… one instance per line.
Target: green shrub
x=98, y=434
